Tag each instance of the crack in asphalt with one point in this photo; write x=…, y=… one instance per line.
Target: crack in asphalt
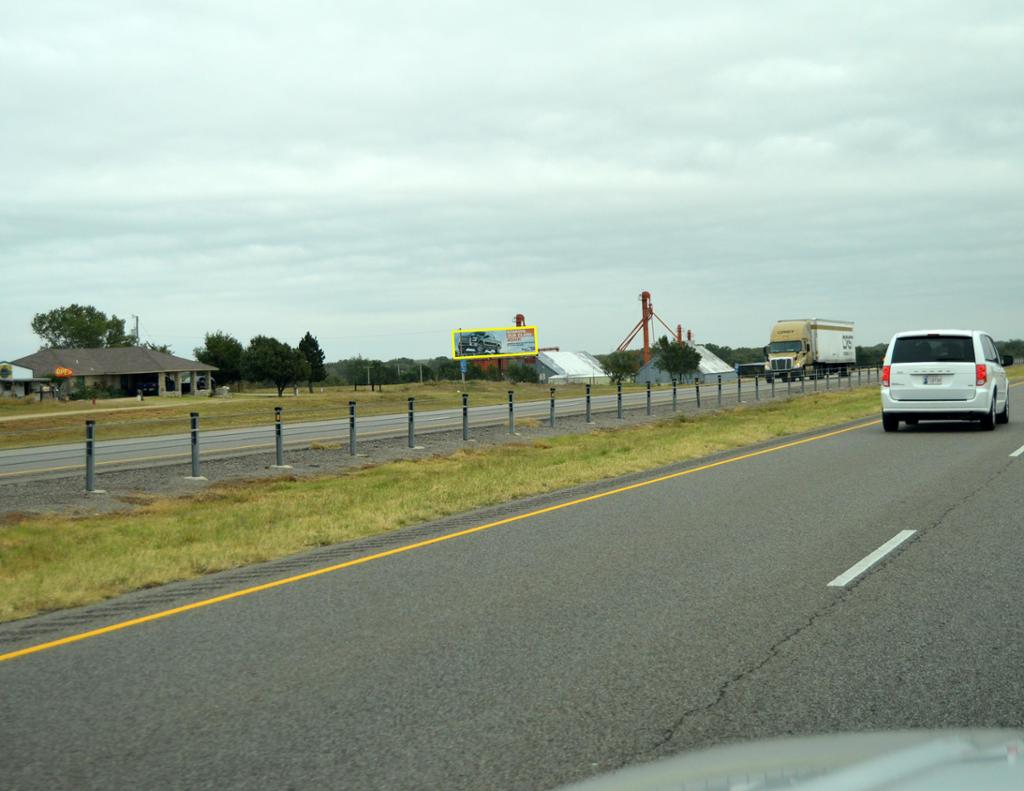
x=840, y=597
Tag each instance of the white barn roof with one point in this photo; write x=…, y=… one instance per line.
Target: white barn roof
x=572, y=365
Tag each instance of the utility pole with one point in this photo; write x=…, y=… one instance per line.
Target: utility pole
x=136, y=329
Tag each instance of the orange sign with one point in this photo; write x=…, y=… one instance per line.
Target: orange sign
x=63, y=373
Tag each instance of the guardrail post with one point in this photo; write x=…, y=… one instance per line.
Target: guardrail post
x=588, y=405
x=90, y=458
x=511, y=412
x=827, y=375
x=814, y=378
x=618, y=401
x=551, y=416
x=194, y=442
x=465, y=417
x=757, y=387
x=789, y=385
x=773, y=387
x=696, y=384
x=803, y=377
x=351, y=428
x=739, y=388
x=279, y=441
x=648, y=398
x=719, y=389
x=412, y=422
x=675, y=404
x=858, y=376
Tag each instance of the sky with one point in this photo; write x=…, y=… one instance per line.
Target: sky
x=381, y=173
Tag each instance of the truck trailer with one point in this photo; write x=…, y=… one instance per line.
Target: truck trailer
x=811, y=348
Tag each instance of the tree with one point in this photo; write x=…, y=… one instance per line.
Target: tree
x=445, y=368
x=80, y=327
x=676, y=359
x=157, y=347
x=270, y=360
x=225, y=353
x=518, y=372
x=620, y=365
x=741, y=354
x=314, y=355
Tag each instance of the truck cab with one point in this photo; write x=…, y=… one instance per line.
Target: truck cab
x=789, y=351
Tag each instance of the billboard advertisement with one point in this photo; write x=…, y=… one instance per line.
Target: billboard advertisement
x=489, y=342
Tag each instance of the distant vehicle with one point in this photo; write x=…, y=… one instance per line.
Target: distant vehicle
x=478, y=343
x=809, y=347
x=147, y=388
x=944, y=375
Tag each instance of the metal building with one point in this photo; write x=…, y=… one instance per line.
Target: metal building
x=570, y=367
x=709, y=369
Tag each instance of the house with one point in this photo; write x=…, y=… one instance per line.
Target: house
x=710, y=368
x=126, y=371
x=16, y=381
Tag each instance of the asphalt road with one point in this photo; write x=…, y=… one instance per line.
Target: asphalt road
x=688, y=612
x=69, y=458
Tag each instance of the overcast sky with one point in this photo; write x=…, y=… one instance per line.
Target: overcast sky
x=379, y=173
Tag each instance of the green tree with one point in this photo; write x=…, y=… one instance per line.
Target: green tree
x=310, y=349
x=676, y=359
x=79, y=327
x=519, y=372
x=741, y=354
x=446, y=369
x=871, y=355
x=620, y=365
x=157, y=347
x=270, y=360
x=223, y=351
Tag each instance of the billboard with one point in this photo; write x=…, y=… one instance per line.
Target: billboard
x=490, y=342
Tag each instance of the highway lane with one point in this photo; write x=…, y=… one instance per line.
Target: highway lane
x=144, y=451
x=680, y=614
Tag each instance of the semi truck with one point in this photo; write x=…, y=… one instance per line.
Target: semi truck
x=809, y=347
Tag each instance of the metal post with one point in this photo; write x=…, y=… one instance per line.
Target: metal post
x=278, y=437
x=465, y=417
x=789, y=385
x=351, y=428
x=511, y=412
x=194, y=432
x=720, y=389
x=773, y=387
x=674, y=399
x=739, y=389
x=412, y=422
x=858, y=376
x=588, y=405
x=619, y=401
x=90, y=455
x=551, y=418
x=827, y=374
x=814, y=377
x=696, y=384
x=648, y=398
x=757, y=387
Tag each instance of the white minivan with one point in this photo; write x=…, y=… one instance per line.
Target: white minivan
x=944, y=375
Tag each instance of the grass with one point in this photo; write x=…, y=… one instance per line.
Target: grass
x=48, y=563
x=52, y=423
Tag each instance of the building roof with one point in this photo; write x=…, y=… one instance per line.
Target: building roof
x=572, y=363
x=709, y=362
x=97, y=362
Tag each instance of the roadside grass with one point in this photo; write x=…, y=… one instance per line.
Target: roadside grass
x=48, y=563
x=120, y=418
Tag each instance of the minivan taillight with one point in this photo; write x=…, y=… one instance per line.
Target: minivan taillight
x=886, y=369
x=982, y=374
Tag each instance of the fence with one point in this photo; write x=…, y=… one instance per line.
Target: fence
x=349, y=427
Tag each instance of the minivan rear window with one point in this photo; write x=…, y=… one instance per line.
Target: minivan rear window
x=934, y=349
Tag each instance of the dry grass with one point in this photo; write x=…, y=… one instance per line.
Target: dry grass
x=50, y=563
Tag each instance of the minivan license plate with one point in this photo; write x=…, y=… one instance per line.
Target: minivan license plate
x=933, y=380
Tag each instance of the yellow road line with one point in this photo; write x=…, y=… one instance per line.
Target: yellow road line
x=418, y=545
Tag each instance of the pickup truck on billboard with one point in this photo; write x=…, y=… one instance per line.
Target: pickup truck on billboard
x=494, y=342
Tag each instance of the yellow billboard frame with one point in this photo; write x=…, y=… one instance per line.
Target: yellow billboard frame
x=457, y=356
